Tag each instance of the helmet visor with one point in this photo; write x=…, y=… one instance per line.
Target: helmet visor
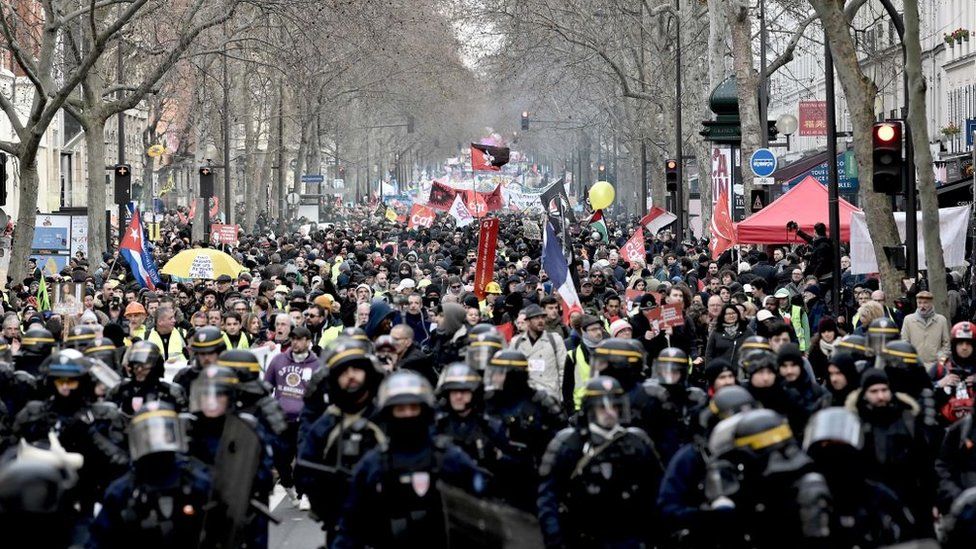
x=478, y=355
x=154, y=432
x=495, y=378
x=608, y=411
x=834, y=426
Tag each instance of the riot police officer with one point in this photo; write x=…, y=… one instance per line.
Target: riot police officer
x=461, y=417
x=881, y=331
x=483, y=344
x=96, y=430
x=161, y=501
x=143, y=364
x=758, y=472
x=531, y=418
x=336, y=441
x=207, y=343
x=681, y=500
x=857, y=346
x=599, y=478
x=212, y=402
x=864, y=513
x=674, y=405
x=80, y=337
x=17, y=387
x=316, y=398
x=394, y=499
x=35, y=347
x=956, y=462
x=253, y=394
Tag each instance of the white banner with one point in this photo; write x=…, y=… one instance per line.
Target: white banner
x=952, y=226
x=460, y=212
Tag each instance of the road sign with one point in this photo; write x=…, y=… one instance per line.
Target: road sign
x=313, y=178
x=764, y=181
x=763, y=163
x=758, y=201
x=293, y=199
x=339, y=184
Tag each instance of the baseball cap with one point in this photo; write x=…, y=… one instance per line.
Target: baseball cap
x=781, y=293
x=406, y=284
x=763, y=315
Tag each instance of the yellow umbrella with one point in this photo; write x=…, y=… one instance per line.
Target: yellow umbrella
x=206, y=263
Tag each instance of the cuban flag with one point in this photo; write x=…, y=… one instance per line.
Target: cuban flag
x=138, y=253
x=554, y=262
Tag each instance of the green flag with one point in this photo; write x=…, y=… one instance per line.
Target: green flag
x=43, y=301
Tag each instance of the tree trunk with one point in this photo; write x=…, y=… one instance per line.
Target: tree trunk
x=250, y=152
x=26, y=212
x=860, y=93
x=928, y=198
x=747, y=80
x=97, y=202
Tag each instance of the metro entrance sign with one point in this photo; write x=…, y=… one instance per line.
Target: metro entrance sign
x=763, y=163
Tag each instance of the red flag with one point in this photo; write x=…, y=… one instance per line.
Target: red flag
x=657, y=219
x=494, y=199
x=488, y=158
x=485, y=268
x=441, y=196
x=633, y=249
x=421, y=216
x=723, y=231
x=193, y=209
x=214, y=207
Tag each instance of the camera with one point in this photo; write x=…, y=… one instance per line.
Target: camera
x=792, y=226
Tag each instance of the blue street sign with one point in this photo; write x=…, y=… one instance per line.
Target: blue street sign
x=313, y=178
x=763, y=163
x=970, y=129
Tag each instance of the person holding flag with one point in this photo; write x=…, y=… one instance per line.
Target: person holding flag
x=136, y=250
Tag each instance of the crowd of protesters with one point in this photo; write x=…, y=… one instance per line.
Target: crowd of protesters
x=368, y=368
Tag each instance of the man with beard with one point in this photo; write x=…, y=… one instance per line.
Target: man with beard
x=895, y=446
x=336, y=441
x=578, y=360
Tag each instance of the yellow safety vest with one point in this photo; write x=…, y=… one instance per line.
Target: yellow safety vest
x=176, y=343
x=242, y=343
x=329, y=334
x=581, y=374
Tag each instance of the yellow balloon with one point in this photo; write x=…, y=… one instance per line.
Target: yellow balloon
x=601, y=195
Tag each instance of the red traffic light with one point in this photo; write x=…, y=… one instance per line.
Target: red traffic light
x=671, y=165
x=887, y=133
x=525, y=114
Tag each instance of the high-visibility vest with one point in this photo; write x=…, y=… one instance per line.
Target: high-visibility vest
x=581, y=374
x=242, y=343
x=176, y=343
x=329, y=334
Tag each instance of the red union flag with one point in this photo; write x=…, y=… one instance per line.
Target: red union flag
x=813, y=118
x=485, y=268
x=420, y=216
x=633, y=250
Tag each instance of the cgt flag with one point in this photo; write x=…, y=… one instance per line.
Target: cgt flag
x=488, y=158
x=487, y=243
x=633, y=249
x=421, y=216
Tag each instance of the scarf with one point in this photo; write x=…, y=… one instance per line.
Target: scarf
x=731, y=330
x=826, y=348
x=926, y=315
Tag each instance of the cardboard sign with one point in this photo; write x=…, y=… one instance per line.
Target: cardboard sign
x=666, y=315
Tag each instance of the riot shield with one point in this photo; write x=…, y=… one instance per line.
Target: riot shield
x=474, y=523
x=235, y=467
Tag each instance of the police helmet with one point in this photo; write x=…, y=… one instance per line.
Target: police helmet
x=142, y=352
x=834, y=427
x=619, y=358
x=751, y=432
x=103, y=349
x=508, y=370
x=605, y=403
x=880, y=332
x=242, y=362
x=727, y=402
x=405, y=387
x=347, y=353
x=208, y=339
x=37, y=341
x=899, y=354
x=212, y=392
x=854, y=344
x=671, y=366
x=33, y=486
x=757, y=360
x=458, y=376
x=156, y=428
x=482, y=347
x=754, y=343
x=358, y=334
x=66, y=364
x=81, y=337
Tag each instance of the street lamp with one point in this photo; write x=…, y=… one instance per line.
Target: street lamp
x=786, y=124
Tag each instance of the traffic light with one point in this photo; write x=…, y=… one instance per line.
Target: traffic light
x=409, y=123
x=525, y=120
x=206, y=182
x=671, y=175
x=123, y=183
x=888, y=163
x=3, y=179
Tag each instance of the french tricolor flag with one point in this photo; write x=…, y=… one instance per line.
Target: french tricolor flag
x=554, y=262
x=138, y=254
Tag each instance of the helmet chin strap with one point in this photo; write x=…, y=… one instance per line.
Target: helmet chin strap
x=602, y=434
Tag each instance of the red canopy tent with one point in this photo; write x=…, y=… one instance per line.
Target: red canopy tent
x=806, y=203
